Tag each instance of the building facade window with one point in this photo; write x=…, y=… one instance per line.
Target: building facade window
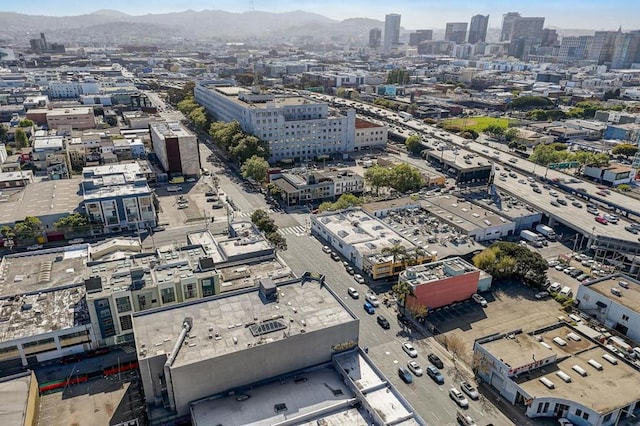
x=123, y=304
x=190, y=291
x=168, y=295
x=207, y=287
x=126, y=323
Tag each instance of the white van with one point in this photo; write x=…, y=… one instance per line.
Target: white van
x=636, y=352
x=555, y=287
x=566, y=291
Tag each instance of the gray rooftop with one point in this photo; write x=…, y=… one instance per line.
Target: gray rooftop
x=301, y=306
x=42, y=270
x=37, y=314
x=14, y=399
x=461, y=213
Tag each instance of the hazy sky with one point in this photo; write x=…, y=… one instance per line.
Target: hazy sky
x=587, y=14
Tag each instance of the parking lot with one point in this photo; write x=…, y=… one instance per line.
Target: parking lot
x=511, y=306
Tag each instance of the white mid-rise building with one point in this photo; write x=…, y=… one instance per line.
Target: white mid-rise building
x=295, y=127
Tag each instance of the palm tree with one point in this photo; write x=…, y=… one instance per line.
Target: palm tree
x=395, y=251
x=402, y=290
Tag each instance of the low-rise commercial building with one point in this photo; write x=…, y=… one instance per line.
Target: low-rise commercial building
x=362, y=238
x=613, y=175
x=79, y=118
x=369, y=135
x=315, y=186
x=614, y=301
x=558, y=371
x=442, y=283
x=194, y=351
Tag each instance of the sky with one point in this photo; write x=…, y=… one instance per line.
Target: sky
x=416, y=14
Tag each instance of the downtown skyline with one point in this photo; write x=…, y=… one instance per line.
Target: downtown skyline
x=416, y=14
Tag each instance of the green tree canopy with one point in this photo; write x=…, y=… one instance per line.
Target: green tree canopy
x=344, y=202
x=625, y=149
x=531, y=102
x=28, y=229
x=25, y=122
x=263, y=222
x=414, y=144
x=377, y=177
x=3, y=133
x=505, y=259
x=22, y=141
x=255, y=168
x=187, y=105
x=552, y=153
x=405, y=178
x=249, y=146
x=75, y=222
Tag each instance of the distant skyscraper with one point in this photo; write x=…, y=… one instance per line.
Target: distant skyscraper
x=626, y=50
x=391, y=31
x=456, y=32
x=507, y=25
x=549, y=37
x=420, y=36
x=375, y=37
x=603, y=46
x=478, y=29
x=530, y=28
x=574, y=48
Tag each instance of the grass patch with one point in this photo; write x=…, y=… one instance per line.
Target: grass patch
x=475, y=123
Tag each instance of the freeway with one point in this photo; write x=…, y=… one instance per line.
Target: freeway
x=621, y=202
x=430, y=400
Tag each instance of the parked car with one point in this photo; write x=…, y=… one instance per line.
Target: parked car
x=479, y=300
x=405, y=375
x=335, y=256
x=435, y=360
x=542, y=295
x=464, y=419
x=326, y=249
x=468, y=388
x=414, y=368
x=373, y=299
x=410, y=350
x=458, y=398
x=350, y=270
x=383, y=322
x=359, y=278
x=435, y=375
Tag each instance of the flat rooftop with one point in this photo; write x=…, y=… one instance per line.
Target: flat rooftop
x=301, y=306
x=14, y=399
x=170, y=129
x=42, y=313
x=51, y=197
x=38, y=271
x=630, y=296
x=462, y=213
x=614, y=386
x=323, y=392
x=435, y=271
x=365, y=232
x=246, y=275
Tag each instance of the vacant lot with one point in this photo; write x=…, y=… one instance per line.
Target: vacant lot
x=476, y=123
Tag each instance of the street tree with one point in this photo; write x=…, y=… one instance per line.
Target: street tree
x=263, y=222
x=255, y=168
x=25, y=122
x=248, y=146
x=494, y=130
x=73, y=223
x=414, y=144
x=377, y=177
x=405, y=178
x=22, y=141
x=187, y=105
x=511, y=134
x=28, y=229
x=402, y=290
x=625, y=149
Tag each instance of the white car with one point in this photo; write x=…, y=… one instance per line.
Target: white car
x=372, y=299
x=469, y=390
x=34, y=247
x=326, y=249
x=359, y=278
x=415, y=368
x=410, y=350
x=553, y=263
x=458, y=398
x=479, y=300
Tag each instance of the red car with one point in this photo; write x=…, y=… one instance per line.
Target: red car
x=601, y=220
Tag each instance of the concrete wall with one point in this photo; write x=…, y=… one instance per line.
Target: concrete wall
x=446, y=291
x=222, y=373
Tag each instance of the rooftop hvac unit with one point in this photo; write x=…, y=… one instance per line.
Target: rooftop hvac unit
x=610, y=358
x=560, y=342
x=595, y=364
x=574, y=337
x=581, y=371
x=548, y=383
x=564, y=376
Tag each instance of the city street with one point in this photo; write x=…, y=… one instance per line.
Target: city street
x=430, y=400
